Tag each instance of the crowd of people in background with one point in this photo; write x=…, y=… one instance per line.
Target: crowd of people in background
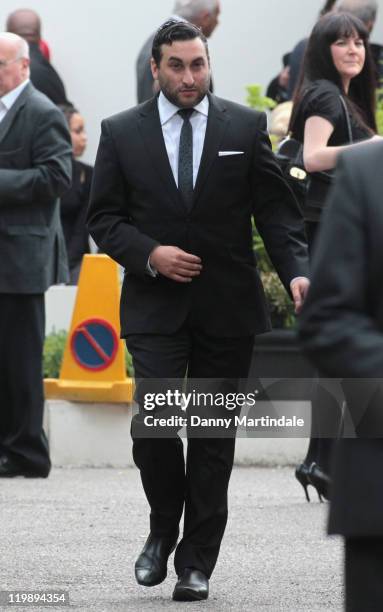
x=205, y=15
x=329, y=82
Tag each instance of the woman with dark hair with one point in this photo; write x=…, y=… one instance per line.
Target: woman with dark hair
x=297, y=54
x=74, y=203
x=334, y=109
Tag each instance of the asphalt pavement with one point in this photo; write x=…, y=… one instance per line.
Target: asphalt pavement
x=81, y=530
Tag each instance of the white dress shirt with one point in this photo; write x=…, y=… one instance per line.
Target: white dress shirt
x=7, y=101
x=171, y=124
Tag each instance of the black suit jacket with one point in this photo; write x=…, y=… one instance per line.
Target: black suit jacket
x=135, y=205
x=35, y=169
x=342, y=331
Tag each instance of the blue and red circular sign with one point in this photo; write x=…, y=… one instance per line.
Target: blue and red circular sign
x=94, y=344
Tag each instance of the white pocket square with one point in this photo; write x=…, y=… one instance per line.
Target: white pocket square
x=225, y=153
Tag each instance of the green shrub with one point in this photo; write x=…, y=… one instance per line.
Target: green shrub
x=256, y=99
x=379, y=112
x=129, y=363
x=280, y=304
x=53, y=353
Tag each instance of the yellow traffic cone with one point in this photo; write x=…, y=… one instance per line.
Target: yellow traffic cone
x=93, y=367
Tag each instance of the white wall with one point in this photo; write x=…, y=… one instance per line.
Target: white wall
x=95, y=42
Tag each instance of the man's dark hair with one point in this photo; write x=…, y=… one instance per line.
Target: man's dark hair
x=172, y=31
x=318, y=64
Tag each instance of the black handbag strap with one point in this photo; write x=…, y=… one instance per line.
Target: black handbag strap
x=348, y=121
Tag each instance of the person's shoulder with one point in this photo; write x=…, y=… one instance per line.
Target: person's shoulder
x=130, y=115
x=128, y=118
x=366, y=158
x=38, y=101
x=358, y=173
x=322, y=97
x=359, y=170
x=237, y=110
x=323, y=86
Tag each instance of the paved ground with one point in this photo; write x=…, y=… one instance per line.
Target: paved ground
x=82, y=528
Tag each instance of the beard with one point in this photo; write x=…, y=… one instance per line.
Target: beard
x=175, y=95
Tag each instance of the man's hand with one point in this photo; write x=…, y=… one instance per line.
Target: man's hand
x=176, y=264
x=299, y=288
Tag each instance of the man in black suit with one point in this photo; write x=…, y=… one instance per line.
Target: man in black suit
x=342, y=331
x=176, y=182
x=202, y=13
x=35, y=168
x=27, y=24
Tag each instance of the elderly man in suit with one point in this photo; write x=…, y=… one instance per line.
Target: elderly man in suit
x=35, y=168
x=27, y=24
x=342, y=331
x=202, y=13
x=177, y=180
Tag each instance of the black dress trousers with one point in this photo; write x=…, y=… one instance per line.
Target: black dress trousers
x=200, y=487
x=22, y=331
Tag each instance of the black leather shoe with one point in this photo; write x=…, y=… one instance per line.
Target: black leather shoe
x=152, y=564
x=192, y=585
x=9, y=468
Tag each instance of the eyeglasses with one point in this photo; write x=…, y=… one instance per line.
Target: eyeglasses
x=5, y=63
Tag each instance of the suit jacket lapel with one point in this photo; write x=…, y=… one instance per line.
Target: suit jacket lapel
x=217, y=122
x=6, y=123
x=150, y=127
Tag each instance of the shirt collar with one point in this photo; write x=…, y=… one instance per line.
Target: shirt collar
x=10, y=98
x=167, y=109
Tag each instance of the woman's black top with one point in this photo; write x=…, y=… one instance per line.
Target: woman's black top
x=322, y=99
x=74, y=205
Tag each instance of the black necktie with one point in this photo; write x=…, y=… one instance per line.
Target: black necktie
x=185, y=158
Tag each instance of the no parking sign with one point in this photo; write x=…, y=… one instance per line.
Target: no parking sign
x=93, y=367
x=94, y=344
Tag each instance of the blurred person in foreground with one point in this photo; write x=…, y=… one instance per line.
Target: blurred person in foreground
x=341, y=329
x=176, y=184
x=35, y=169
x=333, y=109
x=74, y=202
x=202, y=13
x=27, y=24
